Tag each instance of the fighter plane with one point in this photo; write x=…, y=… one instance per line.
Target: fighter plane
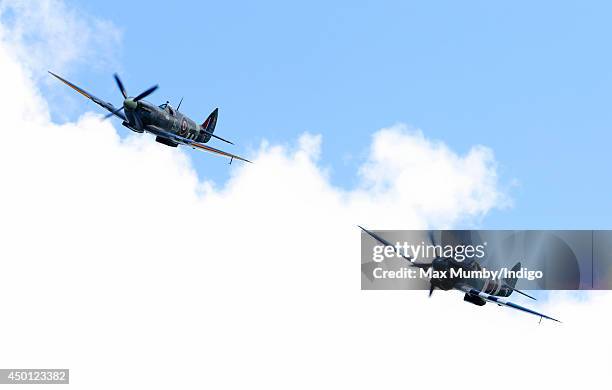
x=477, y=291
x=170, y=127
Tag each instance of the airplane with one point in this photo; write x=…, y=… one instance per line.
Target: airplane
x=477, y=291
x=170, y=127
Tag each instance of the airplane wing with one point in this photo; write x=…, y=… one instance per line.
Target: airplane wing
x=491, y=298
x=195, y=145
x=108, y=106
x=387, y=243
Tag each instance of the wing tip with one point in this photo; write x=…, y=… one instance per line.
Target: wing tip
x=233, y=156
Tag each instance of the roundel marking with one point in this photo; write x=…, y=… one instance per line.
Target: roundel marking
x=183, y=127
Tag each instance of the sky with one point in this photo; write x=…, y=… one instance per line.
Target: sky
x=531, y=81
x=121, y=255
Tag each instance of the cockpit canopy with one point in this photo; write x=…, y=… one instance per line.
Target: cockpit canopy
x=167, y=107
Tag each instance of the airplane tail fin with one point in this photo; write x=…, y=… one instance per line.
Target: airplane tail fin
x=512, y=281
x=209, y=126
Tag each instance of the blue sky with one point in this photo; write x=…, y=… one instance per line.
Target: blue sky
x=531, y=81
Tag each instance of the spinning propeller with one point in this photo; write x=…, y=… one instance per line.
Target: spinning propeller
x=129, y=103
x=433, y=242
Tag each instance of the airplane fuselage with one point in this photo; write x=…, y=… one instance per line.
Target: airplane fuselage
x=146, y=116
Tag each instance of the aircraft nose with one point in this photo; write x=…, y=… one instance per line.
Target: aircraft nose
x=130, y=104
x=438, y=264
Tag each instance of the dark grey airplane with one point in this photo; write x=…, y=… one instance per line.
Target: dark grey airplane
x=478, y=291
x=170, y=126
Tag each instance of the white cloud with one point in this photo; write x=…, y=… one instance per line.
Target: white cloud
x=47, y=34
x=119, y=264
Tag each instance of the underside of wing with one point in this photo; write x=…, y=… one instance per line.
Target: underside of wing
x=209, y=149
x=106, y=105
x=493, y=299
x=188, y=142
